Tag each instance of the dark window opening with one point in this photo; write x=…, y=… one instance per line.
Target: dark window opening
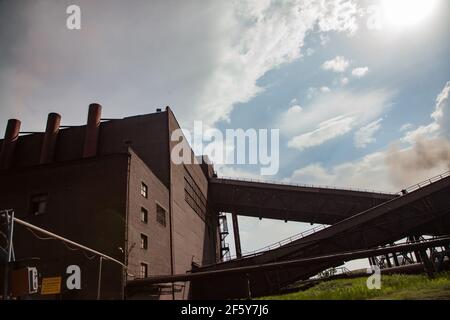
x=144, y=270
x=160, y=215
x=38, y=204
x=144, y=190
x=144, y=215
x=144, y=241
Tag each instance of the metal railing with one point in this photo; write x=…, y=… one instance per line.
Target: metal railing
x=302, y=185
x=424, y=183
x=281, y=242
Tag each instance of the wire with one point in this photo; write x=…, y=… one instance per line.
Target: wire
x=65, y=244
x=39, y=237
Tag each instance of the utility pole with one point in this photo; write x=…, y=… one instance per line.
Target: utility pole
x=8, y=216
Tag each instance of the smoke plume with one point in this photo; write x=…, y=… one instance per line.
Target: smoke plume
x=426, y=158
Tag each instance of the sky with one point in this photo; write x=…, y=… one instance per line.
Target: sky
x=358, y=89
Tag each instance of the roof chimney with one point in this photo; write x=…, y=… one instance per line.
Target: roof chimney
x=9, y=143
x=51, y=134
x=92, y=130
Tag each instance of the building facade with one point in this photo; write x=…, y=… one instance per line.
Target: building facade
x=109, y=185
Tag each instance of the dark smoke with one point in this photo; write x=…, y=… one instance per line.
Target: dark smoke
x=426, y=158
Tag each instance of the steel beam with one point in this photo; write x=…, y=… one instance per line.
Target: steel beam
x=237, y=238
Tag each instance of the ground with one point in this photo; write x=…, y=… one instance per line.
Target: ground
x=393, y=287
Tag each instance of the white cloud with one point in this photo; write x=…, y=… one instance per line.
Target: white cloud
x=327, y=130
x=267, y=35
x=427, y=131
x=201, y=59
x=309, y=52
x=369, y=172
x=363, y=106
x=344, y=81
x=440, y=126
x=405, y=127
x=364, y=135
x=427, y=155
x=295, y=110
x=360, y=72
x=325, y=89
x=386, y=171
x=293, y=101
x=338, y=64
x=441, y=115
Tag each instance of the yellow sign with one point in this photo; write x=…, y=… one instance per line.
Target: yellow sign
x=51, y=285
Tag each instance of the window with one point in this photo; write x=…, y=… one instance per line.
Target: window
x=160, y=215
x=144, y=270
x=144, y=190
x=144, y=215
x=38, y=204
x=144, y=241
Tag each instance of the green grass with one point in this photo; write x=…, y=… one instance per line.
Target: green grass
x=393, y=287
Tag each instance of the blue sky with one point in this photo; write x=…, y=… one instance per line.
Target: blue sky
x=358, y=103
x=411, y=62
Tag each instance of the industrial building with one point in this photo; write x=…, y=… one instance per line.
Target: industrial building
x=110, y=185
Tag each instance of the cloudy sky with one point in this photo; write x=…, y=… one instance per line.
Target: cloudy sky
x=358, y=89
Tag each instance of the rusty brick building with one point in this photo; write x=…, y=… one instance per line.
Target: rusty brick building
x=109, y=185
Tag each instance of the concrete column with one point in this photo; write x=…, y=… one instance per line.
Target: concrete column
x=9, y=143
x=388, y=261
x=237, y=239
x=51, y=134
x=92, y=130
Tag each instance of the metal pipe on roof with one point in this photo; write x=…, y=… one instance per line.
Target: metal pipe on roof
x=9, y=143
x=50, y=137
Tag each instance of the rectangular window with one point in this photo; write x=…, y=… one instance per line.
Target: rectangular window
x=144, y=270
x=144, y=215
x=144, y=190
x=144, y=241
x=160, y=215
x=38, y=204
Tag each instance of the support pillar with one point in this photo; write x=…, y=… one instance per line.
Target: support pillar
x=427, y=264
x=388, y=261
x=237, y=239
x=394, y=255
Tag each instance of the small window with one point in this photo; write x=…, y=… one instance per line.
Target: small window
x=144, y=270
x=38, y=204
x=144, y=241
x=144, y=215
x=144, y=190
x=160, y=215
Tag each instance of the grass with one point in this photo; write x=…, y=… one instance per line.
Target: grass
x=393, y=287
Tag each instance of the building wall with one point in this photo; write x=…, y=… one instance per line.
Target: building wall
x=87, y=204
x=157, y=256
x=189, y=236
x=193, y=234
x=146, y=134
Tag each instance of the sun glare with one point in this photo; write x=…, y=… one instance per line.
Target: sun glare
x=407, y=12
